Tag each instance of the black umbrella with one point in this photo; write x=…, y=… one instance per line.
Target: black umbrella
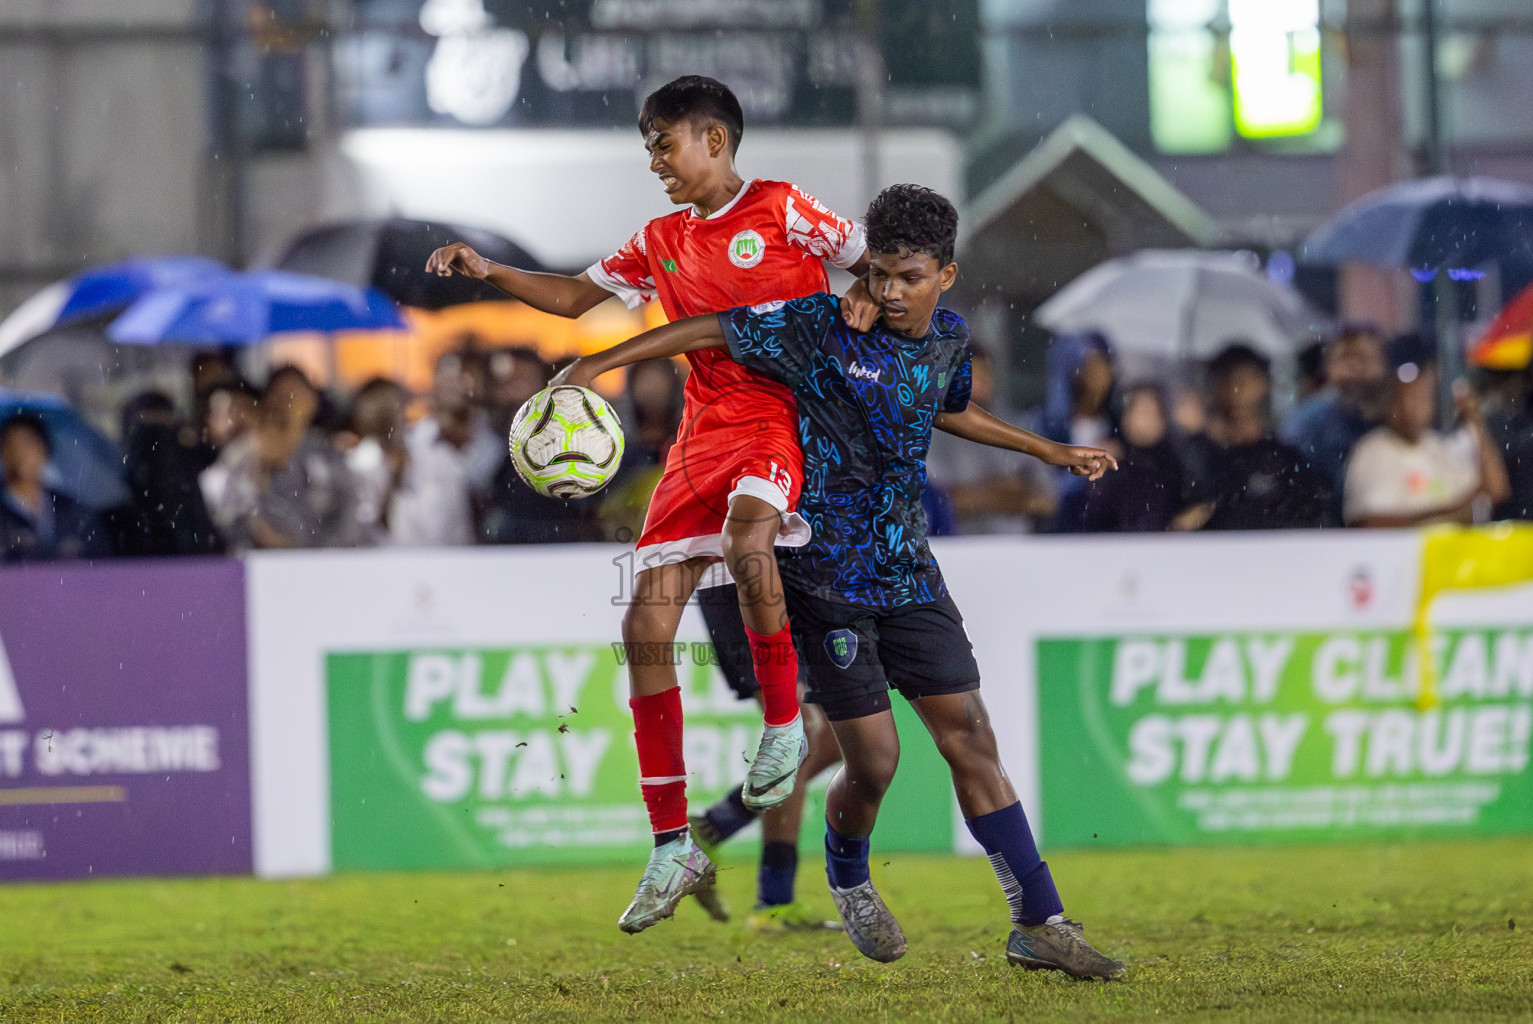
x=1432, y=224
x=391, y=255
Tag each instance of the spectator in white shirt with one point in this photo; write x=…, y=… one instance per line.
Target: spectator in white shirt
x=1407, y=473
x=377, y=460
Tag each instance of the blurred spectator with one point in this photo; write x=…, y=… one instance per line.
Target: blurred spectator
x=1250, y=480
x=38, y=524
x=166, y=514
x=1405, y=472
x=457, y=388
x=1149, y=487
x=941, y=519
x=515, y=513
x=991, y=490
x=1512, y=428
x=283, y=485
x=1077, y=410
x=650, y=408
x=513, y=375
x=434, y=503
x=1507, y=399
x=230, y=413
x=377, y=460
x=1310, y=364
x=1325, y=426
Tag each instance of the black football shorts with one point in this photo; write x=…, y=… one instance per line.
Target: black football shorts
x=854, y=654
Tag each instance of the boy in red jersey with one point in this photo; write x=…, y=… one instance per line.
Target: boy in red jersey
x=732, y=479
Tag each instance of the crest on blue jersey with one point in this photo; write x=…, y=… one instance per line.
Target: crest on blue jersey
x=841, y=646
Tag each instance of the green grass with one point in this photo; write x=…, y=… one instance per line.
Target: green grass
x=1419, y=932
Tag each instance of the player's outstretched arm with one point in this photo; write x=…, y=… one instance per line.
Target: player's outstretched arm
x=689, y=335
x=550, y=293
x=975, y=424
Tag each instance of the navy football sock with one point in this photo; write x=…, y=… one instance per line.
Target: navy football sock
x=669, y=836
x=774, y=878
x=846, y=860
x=1024, y=876
x=727, y=817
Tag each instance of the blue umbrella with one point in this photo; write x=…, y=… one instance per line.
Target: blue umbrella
x=1432, y=224
x=85, y=465
x=241, y=309
x=101, y=291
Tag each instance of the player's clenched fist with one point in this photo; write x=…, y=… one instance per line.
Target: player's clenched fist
x=458, y=258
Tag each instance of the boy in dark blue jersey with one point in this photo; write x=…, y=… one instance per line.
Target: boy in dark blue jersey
x=865, y=595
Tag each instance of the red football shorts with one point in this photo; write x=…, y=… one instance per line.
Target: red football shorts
x=686, y=513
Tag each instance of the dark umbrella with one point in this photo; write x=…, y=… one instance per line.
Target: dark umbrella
x=1429, y=225
x=1441, y=229
x=390, y=255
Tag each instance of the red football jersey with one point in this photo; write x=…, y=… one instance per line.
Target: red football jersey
x=765, y=245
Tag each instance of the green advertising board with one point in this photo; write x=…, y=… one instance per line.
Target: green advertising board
x=480, y=757
x=1239, y=737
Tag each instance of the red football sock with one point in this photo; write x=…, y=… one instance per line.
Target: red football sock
x=777, y=671
x=662, y=772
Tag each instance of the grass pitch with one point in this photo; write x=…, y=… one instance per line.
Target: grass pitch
x=1424, y=932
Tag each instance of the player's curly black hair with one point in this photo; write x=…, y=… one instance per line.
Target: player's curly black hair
x=703, y=100
x=911, y=218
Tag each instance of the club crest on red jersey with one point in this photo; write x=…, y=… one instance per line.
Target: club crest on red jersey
x=747, y=249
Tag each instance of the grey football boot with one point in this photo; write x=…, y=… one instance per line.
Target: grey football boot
x=869, y=924
x=1058, y=945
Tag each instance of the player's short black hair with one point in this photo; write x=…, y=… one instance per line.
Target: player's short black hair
x=1235, y=356
x=28, y=421
x=908, y=219
x=704, y=101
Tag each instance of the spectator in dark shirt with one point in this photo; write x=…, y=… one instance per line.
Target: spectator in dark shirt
x=514, y=513
x=1148, y=490
x=1325, y=426
x=1311, y=367
x=1078, y=410
x=38, y=524
x=1507, y=398
x=166, y=514
x=1253, y=481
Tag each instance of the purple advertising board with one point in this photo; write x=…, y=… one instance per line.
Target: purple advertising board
x=124, y=738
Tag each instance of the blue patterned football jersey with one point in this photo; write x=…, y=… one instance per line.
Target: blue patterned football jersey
x=866, y=405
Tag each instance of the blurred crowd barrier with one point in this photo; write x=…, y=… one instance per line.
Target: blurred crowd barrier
x=296, y=713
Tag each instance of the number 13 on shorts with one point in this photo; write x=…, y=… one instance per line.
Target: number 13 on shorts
x=781, y=479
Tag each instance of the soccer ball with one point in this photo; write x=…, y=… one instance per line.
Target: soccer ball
x=566, y=442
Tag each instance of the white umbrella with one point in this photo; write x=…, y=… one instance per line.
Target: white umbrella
x=1184, y=303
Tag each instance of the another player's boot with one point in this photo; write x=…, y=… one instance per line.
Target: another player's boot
x=788, y=917
x=869, y=924
x=772, y=774
x=1058, y=945
x=708, y=895
x=675, y=870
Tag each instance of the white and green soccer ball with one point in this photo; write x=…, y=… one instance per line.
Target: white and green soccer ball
x=566, y=442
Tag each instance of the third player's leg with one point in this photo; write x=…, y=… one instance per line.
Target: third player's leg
x=870, y=749
x=959, y=723
x=782, y=823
